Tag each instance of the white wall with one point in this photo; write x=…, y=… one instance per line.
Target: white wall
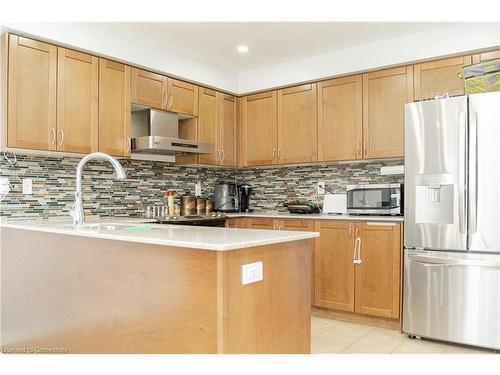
x=425, y=45
x=128, y=48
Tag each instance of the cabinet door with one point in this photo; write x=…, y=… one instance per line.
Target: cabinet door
x=207, y=124
x=297, y=125
x=384, y=95
x=439, y=77
x=32, y=77
x=114, y=108
x=227, y=130
x=259, y=129
x=182, y=97
x=149, y=89
x=378, y=275
x=262, y=223
x=297, y=225
x=77, y=102
x=486, y=56
x=340, y=119
x=333, y=265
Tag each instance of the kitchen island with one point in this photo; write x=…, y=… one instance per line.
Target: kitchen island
x=124, y=287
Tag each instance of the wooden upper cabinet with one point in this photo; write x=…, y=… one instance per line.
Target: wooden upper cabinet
x=297, y=124
x=149, y=89
x=259, y=127
x=77, y=102
x=207, y=124
x=227, y=130
x=340, y=119
x=440, y=77
x=385, y=93
x=333, y=265
x=114, y=108
x=32, y=85
x=182, y=97
x=486, y=56
x=378, y=276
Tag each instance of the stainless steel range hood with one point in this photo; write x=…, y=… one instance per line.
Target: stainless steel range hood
x=156, y=132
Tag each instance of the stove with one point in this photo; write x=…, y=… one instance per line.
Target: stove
x=208, y=220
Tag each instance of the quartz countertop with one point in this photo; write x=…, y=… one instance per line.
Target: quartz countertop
x=142, y=231
x=286, y=215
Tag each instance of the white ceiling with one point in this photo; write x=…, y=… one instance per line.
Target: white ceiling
x=270, y=43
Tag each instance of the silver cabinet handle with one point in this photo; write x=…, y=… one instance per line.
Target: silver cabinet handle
x=223, y=155
x=62, y=137
x=473, y=128
x=360, y=147
x=280, y=227
x=274, y=153
x=357, y=251
x=350, y=231
x=164, y=100
x=53, y=141
x=279, y=152
x=129, y=145
x=365, y=148
x=217, y=155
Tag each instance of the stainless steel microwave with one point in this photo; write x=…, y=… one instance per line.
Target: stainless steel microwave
x=376, y=199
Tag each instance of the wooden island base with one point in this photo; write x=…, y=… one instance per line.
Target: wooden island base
x=86, y=295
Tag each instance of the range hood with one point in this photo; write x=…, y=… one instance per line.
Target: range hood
x=156, y=132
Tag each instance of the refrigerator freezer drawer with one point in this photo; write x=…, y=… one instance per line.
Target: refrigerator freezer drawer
x=452, y=297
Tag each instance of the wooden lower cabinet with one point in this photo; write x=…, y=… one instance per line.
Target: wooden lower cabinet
x=262, y=223
x=367, y=281
x=378, y=275
x=333, y=265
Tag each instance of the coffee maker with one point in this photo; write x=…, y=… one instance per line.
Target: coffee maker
x=232, y=197
x=244, y=192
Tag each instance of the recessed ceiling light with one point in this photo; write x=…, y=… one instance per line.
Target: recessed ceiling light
x=242, y=48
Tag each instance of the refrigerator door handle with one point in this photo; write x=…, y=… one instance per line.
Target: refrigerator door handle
x=440, y=262
x=473, y=180
x=462, y=173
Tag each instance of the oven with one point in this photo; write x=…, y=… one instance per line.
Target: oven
x=375, y=199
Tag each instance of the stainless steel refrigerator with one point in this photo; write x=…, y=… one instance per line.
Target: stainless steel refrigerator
x=452, y=225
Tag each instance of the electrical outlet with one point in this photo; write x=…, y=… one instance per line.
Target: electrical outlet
x=320, y=188
x=27, y=186
x=252, y=272
x=4, y=185
x=197, y=189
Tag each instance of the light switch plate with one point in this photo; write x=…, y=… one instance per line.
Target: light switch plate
x=27, y=186
x=252, y=272
x=197, y=189
x=4, y=185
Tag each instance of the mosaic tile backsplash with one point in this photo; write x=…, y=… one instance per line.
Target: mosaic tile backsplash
x=54, y=184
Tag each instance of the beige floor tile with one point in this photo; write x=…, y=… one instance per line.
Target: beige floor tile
x=376, y=342
x=418, y=346
x=320, y=325
x=346, y=332
x=321, y=345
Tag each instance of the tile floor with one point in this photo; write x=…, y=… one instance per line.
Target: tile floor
x=333, y=336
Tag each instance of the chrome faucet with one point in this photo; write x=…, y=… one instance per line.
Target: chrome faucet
x=77, y=213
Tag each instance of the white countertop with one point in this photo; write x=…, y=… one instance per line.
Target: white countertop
x=136, y=230
x=286, y=215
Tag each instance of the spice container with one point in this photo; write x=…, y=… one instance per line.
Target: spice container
x=188, y=204
x=170, y=202
x=200, y=205
x=209, y=206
